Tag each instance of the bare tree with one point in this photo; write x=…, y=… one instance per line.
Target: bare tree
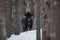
x=38, y=20
x=57, y=18
x=2, y=20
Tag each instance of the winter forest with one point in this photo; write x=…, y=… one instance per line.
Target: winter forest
x=29, y=19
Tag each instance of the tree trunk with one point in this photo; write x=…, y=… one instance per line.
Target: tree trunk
x=57, y=19
x=2, y=20
x=38, y=20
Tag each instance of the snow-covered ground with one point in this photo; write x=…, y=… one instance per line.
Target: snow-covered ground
x=29, y=35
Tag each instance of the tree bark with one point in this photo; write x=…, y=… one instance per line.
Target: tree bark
x=2, y=20
x=38, y=20
x=57, y=19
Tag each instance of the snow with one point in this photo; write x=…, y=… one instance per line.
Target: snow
x=28, y=35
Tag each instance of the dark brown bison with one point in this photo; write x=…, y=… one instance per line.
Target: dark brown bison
x=27, y=21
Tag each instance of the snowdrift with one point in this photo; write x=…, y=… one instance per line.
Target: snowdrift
x=28, y=35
